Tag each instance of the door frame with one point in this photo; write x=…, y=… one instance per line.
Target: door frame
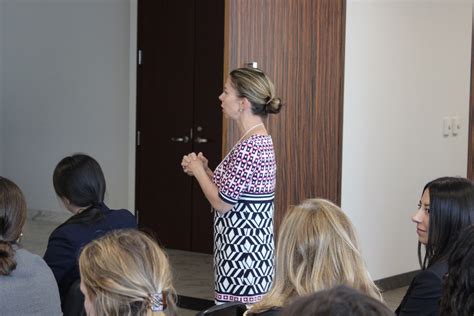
x=470, y=148
x=132, y=104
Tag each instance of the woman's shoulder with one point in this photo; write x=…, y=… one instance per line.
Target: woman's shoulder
x=23, y=255
x=109, y=216
x=121, y=214
x=31, y=263
x=438, y=269
x=429, y=282
x=34, y=280
x=258, y=139
x=256, y=143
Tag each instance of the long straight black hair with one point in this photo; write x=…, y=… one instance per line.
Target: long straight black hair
x=80, y=179
x=451, y=210
x=458, y=292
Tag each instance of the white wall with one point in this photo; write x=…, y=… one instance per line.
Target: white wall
x=407, y=66
x=65, y=83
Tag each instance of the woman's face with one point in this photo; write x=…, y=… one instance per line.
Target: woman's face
x=422, y=217
x=231, y=104
x=88, y=306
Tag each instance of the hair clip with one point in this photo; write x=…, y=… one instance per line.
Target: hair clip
x=252, y=65
x=157, y=302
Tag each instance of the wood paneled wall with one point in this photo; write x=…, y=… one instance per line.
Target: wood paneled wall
x=300, y=44
x=470, y=153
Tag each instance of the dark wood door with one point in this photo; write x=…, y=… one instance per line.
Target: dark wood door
x=300, y=44
x=179, y=78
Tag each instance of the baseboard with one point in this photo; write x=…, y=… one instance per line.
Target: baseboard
x=396, y=281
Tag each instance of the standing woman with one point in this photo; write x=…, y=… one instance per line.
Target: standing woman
x=446, y=207
x=27, y=285
x=80, y=184
x=241, y=191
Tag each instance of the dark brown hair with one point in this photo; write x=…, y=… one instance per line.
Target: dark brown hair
x=337, y=301
x=12, y=219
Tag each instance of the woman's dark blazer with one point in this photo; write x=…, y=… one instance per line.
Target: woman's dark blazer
x=67, y=240
x=424, y=292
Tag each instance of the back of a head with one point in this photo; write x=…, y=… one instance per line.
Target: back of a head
x=458, y=293
x=256, y=86
x=12, y=219
x=126, y=273
x=317, y=249
x=79, y=178
x=338, y=301
x=451, y=210
x=324, y=243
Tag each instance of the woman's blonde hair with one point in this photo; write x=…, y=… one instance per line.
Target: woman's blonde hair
x=126, y=273
x=317, y=249
x=256, y=86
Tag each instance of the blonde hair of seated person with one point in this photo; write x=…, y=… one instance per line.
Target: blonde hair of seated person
x=317, y=249
x=126, y=273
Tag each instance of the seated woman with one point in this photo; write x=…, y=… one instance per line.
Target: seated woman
x=458, y=292
x=27, y=285
x=445, y=208
x=79, y=183
x=317, y=249
x=337, y=301
x=126, y=273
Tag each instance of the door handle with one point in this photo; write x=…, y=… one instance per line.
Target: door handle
x=200, y=140
x=184, y=139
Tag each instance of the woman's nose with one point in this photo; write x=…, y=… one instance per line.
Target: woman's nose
x=416, y=218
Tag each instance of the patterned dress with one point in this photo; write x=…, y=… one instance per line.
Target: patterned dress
x=243, y=237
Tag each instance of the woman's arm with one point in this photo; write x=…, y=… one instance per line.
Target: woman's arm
x=196, y=166
x=205, y=163
x=61, y=257
x=184, y=164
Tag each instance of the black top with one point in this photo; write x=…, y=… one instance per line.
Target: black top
x=271, y=312
x=275, y=311
x=425, y=291
x=66, y=242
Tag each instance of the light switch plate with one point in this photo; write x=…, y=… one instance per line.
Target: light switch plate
x=447, y=126
x=456, y=125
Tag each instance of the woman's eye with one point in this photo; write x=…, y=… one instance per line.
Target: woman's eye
x=427, y=209
x=419, y=205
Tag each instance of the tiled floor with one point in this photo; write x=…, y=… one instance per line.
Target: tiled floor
x=192, y=272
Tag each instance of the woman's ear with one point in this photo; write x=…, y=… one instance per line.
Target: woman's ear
x=65, y=201
x=245, y=103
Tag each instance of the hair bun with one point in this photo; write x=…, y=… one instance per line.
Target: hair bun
x=7, y=258
x=273, y=106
